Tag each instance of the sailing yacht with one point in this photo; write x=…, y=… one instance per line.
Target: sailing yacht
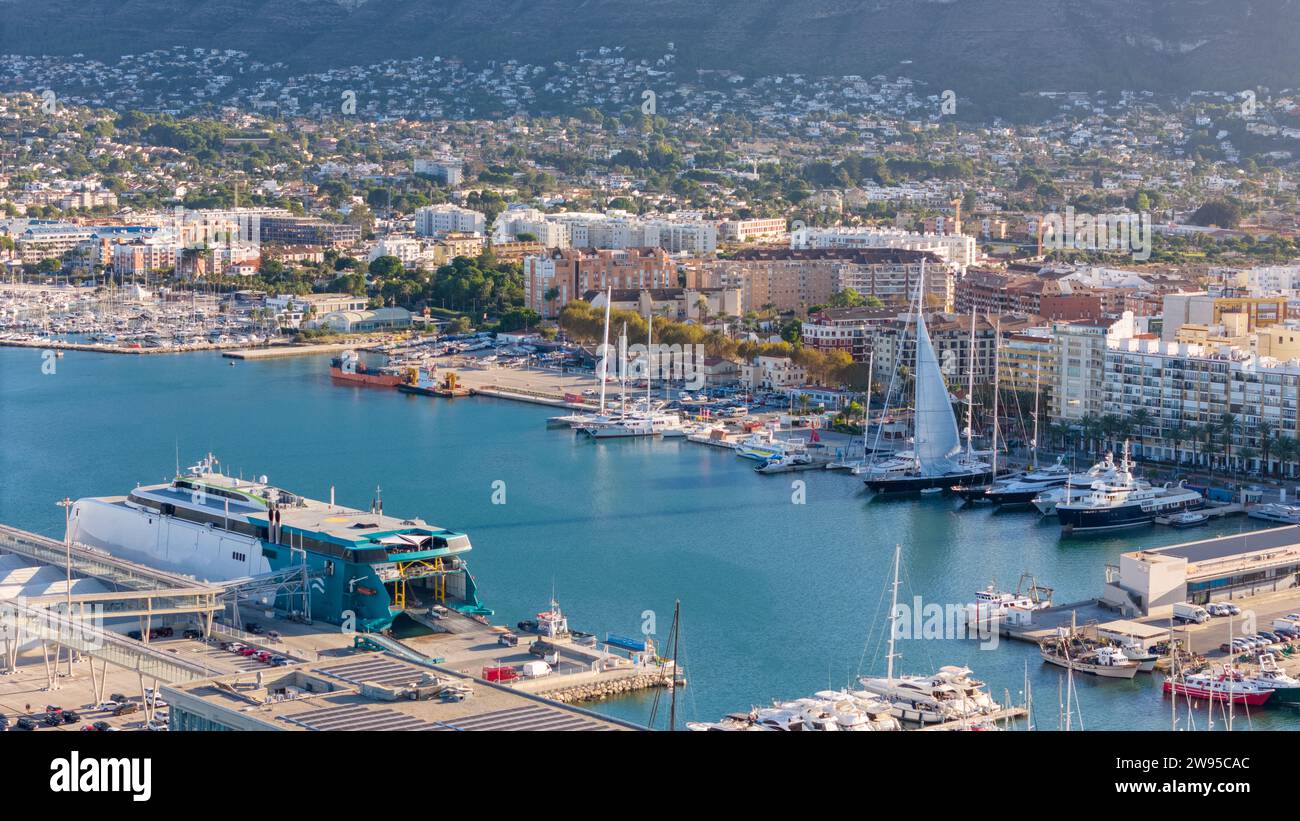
x=950, y=695
x=936, y=459
x=1021, y=490
x=575, y=420
x=651, y=421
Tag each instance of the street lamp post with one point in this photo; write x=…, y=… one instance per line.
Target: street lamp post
x=66, y=504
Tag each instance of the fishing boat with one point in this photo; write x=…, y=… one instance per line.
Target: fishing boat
x=1075, y=651
x=936, y=459
x=993, y=607
x=1125, y=502
x=1136, y=651
x=1223, y=687
x=1286, y=689
x=1105, y=661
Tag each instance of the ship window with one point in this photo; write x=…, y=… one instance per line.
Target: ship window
x=329, y=567
x=239, y=557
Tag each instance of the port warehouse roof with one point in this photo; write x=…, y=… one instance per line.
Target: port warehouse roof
x=1285, y=541
x=354, y=693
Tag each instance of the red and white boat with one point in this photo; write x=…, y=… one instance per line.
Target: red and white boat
x=1220, y=687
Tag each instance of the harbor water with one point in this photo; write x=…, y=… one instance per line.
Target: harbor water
x=784, y=587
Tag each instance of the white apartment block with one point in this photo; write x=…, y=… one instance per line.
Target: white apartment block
x=958, y=249
x=746, y=230
x=436, y=220
x=1180, y=384
x=612, y=231
x=1081, y=363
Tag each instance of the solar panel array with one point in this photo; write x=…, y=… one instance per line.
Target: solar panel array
x=392, y=672
x=528, y=717
x=359, y=717
x=378, y=669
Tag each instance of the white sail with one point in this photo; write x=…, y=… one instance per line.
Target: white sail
x=936, y=436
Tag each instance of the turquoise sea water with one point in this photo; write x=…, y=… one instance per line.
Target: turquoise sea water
x=779, y=600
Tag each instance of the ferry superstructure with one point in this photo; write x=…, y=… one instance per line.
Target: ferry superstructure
x=363, y=565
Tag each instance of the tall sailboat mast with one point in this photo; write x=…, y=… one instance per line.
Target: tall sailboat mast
x=604, y=350
x=622, y=366
x=997, y=334
x=1033, y=443
x=866, y=409
x=893, y=617
x=649, y=359
x=970, y=391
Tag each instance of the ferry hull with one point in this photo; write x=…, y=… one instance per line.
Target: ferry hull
x=1115, y=518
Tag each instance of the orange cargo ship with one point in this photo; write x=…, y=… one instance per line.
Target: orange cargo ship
x=349, y=368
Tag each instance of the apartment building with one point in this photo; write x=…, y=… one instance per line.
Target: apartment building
x=852, y=330
x=786, y=279
x=308, y=231
x=445, y=218
x=572, y=272
x=1184, y=385
x=751, y=229
x=1027, y=362
x=958, y=249
x=1208, y=310
x=1081, y=362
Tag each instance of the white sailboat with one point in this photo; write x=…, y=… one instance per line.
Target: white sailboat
x=936, y=459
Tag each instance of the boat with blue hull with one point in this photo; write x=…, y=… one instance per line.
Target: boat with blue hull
x=1125, y=502
x=363, y=567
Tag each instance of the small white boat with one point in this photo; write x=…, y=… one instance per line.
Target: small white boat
x=1286, y=514
x=1191, y=518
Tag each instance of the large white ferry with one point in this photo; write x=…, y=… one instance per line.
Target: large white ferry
x=219, y=528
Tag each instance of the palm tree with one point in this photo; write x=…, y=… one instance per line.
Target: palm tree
x=1229, y=426
x=1177, y=434
x=1140, y=419
x=1210, y=432
x=1264, y=434
x=1286, y=449
x=1193, y=433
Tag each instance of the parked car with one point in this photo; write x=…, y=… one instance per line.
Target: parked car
x=253, y=627
x=71, y=717
x=126, y=709
x=53, y=719
x=26, y=723
x=102, y=726
x=279, y=661
x=1237, y=646
x=193, y=634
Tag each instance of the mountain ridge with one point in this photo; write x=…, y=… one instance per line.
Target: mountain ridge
x=999, y=46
